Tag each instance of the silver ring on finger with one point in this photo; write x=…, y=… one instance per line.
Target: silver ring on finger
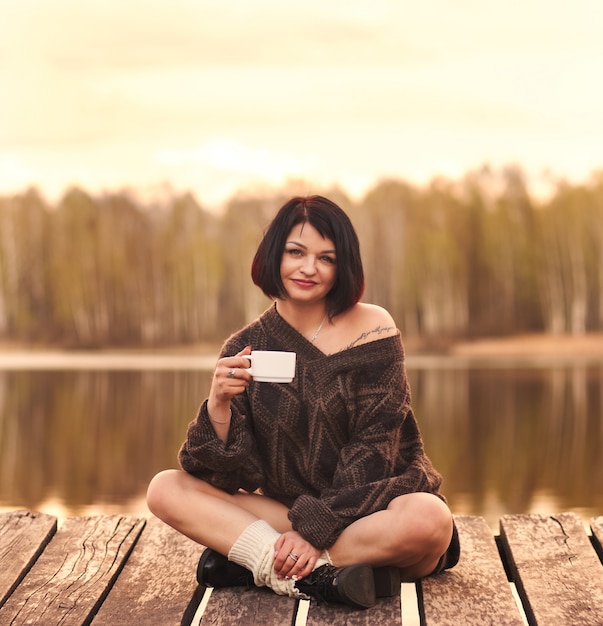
x=293, y=556
x=231, y=372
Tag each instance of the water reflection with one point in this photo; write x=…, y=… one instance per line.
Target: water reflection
x=85, y=438
x=515, y=441
x=506, y=440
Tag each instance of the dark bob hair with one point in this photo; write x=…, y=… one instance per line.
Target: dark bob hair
x=332, y=223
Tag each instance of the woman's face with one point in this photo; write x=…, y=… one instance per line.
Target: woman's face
x=308, y=264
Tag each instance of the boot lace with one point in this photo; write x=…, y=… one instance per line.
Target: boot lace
x=319, y=584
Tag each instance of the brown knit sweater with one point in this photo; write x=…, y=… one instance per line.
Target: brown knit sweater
x=336, y=444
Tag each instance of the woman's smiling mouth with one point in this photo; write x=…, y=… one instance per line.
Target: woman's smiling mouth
x=303, y=283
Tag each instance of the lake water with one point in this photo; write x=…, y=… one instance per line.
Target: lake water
x=507, y=439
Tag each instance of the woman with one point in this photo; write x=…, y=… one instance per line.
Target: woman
x=321, y=487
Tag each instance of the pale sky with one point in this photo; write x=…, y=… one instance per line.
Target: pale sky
x=214, y=96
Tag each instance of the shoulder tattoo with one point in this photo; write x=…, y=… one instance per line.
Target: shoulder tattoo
x=376, y=331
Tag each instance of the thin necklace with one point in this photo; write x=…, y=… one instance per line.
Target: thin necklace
x=313, y=338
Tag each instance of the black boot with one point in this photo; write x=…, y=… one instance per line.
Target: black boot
x=387, y=581
x=353, y=585
x=215, y=570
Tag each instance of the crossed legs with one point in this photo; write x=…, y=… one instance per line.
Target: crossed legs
x=412, y=533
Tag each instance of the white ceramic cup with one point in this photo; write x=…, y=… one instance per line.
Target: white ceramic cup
x=271, y=366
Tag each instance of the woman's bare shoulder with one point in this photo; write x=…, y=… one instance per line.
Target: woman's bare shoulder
x=368, y=322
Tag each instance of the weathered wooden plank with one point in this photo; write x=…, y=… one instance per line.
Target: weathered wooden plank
x=596, y=526
x=476, y=591
x=556, y=570
x=387, y=612
x=23, y=536
x=157, y=585
x=236, y=606
x=73, y=575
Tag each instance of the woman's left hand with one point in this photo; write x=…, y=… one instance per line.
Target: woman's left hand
x=294, y=556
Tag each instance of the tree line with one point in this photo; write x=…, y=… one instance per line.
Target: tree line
x=478, y=256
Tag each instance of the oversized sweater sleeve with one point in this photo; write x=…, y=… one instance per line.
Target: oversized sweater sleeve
x=229, y=466
x=383, y=458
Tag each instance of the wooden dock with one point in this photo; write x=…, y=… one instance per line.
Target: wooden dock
x=114, y=570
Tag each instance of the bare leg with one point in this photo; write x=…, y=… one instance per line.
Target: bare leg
x=243, y=527
x=412, y=534
x=208, y=515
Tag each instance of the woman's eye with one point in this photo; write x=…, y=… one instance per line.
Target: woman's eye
x=329, y=259
x=294, y=252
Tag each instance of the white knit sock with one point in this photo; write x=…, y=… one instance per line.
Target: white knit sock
x=254, y=549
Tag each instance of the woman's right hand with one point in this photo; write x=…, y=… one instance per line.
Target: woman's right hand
x=230, y=379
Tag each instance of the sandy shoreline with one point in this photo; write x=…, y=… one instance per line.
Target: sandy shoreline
x=536, y=349
x=535, y=344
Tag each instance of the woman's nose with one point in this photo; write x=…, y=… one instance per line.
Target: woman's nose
x=309, y=264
